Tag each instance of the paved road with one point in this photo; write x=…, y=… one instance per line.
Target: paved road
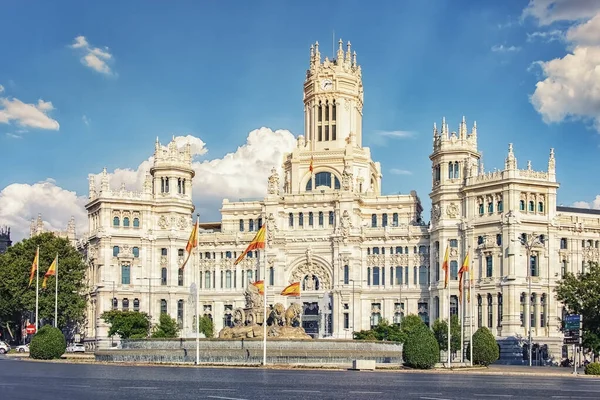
x=50, y=381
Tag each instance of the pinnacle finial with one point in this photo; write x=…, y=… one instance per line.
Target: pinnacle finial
x=354, y=58
x=341, y=42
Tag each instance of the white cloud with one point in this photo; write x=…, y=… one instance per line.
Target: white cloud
x=93, y=57
x=546, y=36
x=396, y=171
x=547, y=12
x=1, y=88
x=595, y=204
x=27, y=115
x=569, y=88
x=380, y=138
x=13, y=135
x=86, y=120
x=20, y=202
x=505, y=49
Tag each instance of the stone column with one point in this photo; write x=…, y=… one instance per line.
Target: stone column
x=494, y=327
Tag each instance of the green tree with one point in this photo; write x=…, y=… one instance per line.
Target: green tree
x=580, y=294
x=48, y=343
x=127, y=324
x=383, y=331
x=206, y=326
x=18, y=299
x=166, y=328
x=421, y=349
x=411, y=323
x=485, y=348
x=440, y=331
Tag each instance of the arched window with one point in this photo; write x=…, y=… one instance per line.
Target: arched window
x=301, y=219
x=450, y=170
x=540, y=207
x=456, y=170
x=489, y=311
x=374, y=221
x=522, y=301
x=563, y=244
x=384, y=220
x=125, y=304
x=228, y=279
x=395, y=219
x=126, y=221
x=479, y=311
x=531, y=206
x=251, y=225
x=291, y=220
x=116, y=221
x=180, y=313
x=522, y=205
x=163, y=276
x=320, y=218
x=331, y=218
x=310, y=219
x=115, y=303
x=543, y=311
x=136, y=222
x=241, y=225
x=259, y=223
x=163, y=306
x=324, y=179
x=500, y=309
x=136, y=304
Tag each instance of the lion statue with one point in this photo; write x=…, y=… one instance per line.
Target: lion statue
x=292, y=314
x=277, y=314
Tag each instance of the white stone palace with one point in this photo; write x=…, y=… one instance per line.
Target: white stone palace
x=360, y=256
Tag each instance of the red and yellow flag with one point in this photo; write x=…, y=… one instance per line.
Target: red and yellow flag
x=446, y=267
x=191, y=244
x=292, y=290
x=463, y=269
x=257, y=243
x=34, y=266
x=310, y=167
x=51, y=272
x=260, y=285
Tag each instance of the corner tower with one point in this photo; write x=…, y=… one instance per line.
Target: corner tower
x=333, y=99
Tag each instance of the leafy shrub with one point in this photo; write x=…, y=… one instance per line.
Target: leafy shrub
x=206, y=326
x=421, y=349
x=592, y=369
x=167, y=327
x=48, y=343
x=127, y=324
x=485, y=348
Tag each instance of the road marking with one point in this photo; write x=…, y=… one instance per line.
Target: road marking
x=78, y=386
x=433, y=398
x=140, y=387
x=362, y=392
x=302, y=391
x=493, y=395
x=225, y=398
x=216, y=390
x=571, y=397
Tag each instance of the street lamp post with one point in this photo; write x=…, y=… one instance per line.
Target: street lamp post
x=529, y=242
x=353, y=304
x=112, y=303
x=149, y=295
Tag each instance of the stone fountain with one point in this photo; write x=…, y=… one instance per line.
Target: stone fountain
x=248, y=321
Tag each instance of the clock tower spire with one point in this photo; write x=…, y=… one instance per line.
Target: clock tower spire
x=333, y=100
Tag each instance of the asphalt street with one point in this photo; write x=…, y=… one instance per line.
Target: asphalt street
x=41, y=380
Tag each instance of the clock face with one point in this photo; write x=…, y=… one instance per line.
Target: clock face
x=326, y=84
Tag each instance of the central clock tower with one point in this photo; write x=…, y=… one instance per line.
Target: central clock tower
x=333, y=100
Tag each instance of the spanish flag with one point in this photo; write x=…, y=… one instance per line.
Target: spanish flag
x=292, y=290
x=260, y=285
x=463, y=269
x=34, y=266
x=51, y=272
x=257, y=243
x=191, y=244
x=446, y=267
x=310, y=167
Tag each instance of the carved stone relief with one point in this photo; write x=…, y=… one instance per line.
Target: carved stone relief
x=452, y=210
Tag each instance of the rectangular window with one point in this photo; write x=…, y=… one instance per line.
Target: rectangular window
x=454, y=270
x=331, y=218
x=326, y=132
x=499, y=206
x=534, y=266
x=346, y=321
x=488, y=266
x=375, y=276
x=499, y=239
x=320, y=218
x=384, y=220
x=136, y=252
x=179, y=277
x=241, y=225
x=453, y=243
x=346, y=274
x=333, y=132
x=163, y=252
x=163, y=276
x=125, y=274
x=320, y=132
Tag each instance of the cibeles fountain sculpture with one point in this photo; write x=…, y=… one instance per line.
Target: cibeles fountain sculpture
x=248, y=321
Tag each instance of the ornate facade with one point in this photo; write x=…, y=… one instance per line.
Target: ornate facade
x=360, y=256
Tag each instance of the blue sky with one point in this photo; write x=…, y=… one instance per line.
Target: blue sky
x=218, y=70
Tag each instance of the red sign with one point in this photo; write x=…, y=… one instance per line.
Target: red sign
x=30, y=329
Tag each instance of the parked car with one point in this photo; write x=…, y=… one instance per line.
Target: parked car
x=24, y=348
x=76, y=348
x=4, y=347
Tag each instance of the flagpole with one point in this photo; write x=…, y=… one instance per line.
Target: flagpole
x=471, y=313
x=56, y=294
x=37, y=288
x=197, y=278
x=447, y=277
x=265, y=282
x=462, y=317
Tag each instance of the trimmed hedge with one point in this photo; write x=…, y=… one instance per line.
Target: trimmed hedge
x=592, y=369
x=48, y=343
x=421, y=349
x=485, y=348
